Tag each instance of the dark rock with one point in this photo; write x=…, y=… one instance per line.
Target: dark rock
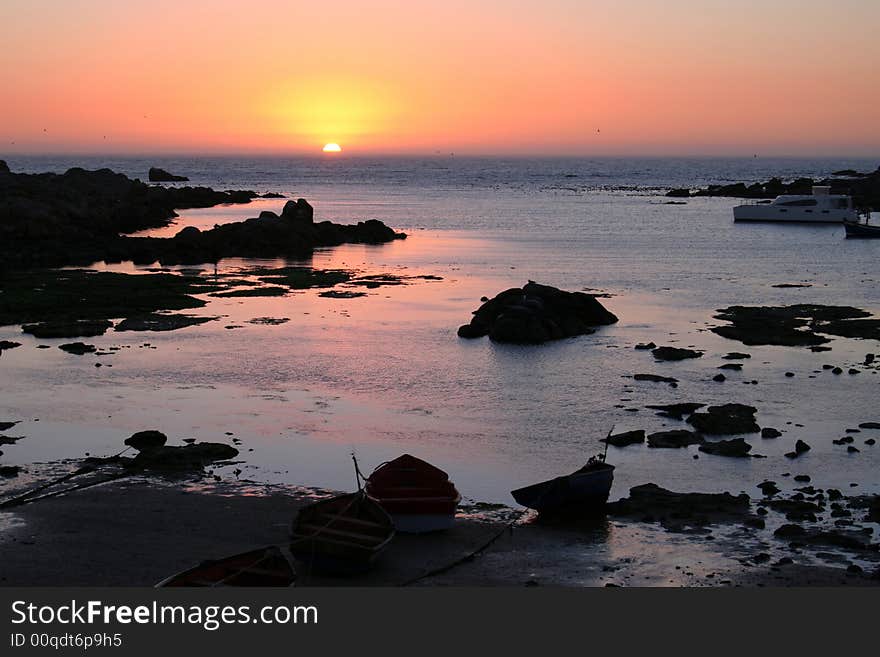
x=299, y=211
x=646, y=345
x=837, y=370
x=78, y=348
x=537, y=313
x=192, y=457
x=161, y=322
x=675, y=353
x=726, y=419
x=341, y=294
x=679, y=193
x=845, y=440
x=800, y=447
x=674, y=438
x=156, y=174
x=68, y=329
x=654, y=378
x=676, y=510
x=720, y=378
x=852, y=450
x=8, y=344
x=769, y=488
x=869, y=425
x=8, y=425
x=626, y=438
x=145, y=440
x=870, y=441
x=853, y=370
x=736, y=447
x=736, y=355
x=770, y=432
x=9, y=471
x=790, y=531
x=802, y=478
x=789, y=375
x=797, y=325
x=676, y=411
x=731, y=366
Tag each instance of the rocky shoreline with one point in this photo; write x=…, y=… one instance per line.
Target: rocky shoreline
x=80, y=217
x=864, y=187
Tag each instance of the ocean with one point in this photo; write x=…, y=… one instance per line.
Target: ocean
x=386, y=373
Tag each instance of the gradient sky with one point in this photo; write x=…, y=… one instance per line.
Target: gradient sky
x=568, y=77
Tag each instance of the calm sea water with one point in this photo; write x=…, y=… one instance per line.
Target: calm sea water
x=386, y=373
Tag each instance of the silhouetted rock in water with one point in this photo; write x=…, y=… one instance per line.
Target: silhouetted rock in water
x=869, y=425
x=159, y=322
x=676, y=411
x=736, y=355
x=790, y=531
x=536, y=313
x=720, y=378
x=650, y=503
x=736, y=447
x=674, y=438
x=736, y=367
x=9, y=471
x=770, y=432
x=80, y=217
x=186, y=458
x=679, y=193
x=797, y=325
x=272, y=195
x=725, y=419
x=8, y=344
x=78, y=348
x=626, y=438
x=144, y=440
x=675, y=353
x=160, y=175
x=800, y=447
x=769, y=488
x=8, y=424
x=67, y=329
x=646, y=345
x=655, y=378
x=4, y=168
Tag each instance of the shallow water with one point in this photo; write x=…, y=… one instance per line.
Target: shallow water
x=384, y=374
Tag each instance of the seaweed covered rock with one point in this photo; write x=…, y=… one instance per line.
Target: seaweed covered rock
x=537, y=313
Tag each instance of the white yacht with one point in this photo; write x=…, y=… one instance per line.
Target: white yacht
x=820, y=207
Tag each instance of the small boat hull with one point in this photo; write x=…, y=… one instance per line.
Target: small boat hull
x=584, y=490
x=263, y=567
x=854, y=229
x=418, y=496
x=342, y=535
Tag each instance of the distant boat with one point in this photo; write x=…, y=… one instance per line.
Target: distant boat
x=819, y=207
x=341, y=535
x=264, y=567
x=418, y=495
x=863, y=230
x=586, y=489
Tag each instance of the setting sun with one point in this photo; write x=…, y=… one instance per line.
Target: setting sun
x=332, y=148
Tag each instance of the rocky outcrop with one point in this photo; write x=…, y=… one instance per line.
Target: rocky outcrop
x=651, y=503
x=626, y=438
x=796, y=325
x=675, y=353
x=536, y=313
x=145, y=440
x=156, y=174
x=725, y=419
x=674, y=439
x=81, y=217
x=736, y=447
x=863, y=187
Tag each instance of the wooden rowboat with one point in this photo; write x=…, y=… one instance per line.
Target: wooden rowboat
x=418, y=496
x=586, y=489
x=341, y=535
x=264, y=567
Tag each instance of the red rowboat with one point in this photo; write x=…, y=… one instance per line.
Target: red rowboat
x=418, y=496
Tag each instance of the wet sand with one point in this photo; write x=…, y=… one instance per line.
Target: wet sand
x=137, y=532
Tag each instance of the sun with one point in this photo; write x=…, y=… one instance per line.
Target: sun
x=332, y=148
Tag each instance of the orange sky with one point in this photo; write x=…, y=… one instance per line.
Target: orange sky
x=480, y=77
